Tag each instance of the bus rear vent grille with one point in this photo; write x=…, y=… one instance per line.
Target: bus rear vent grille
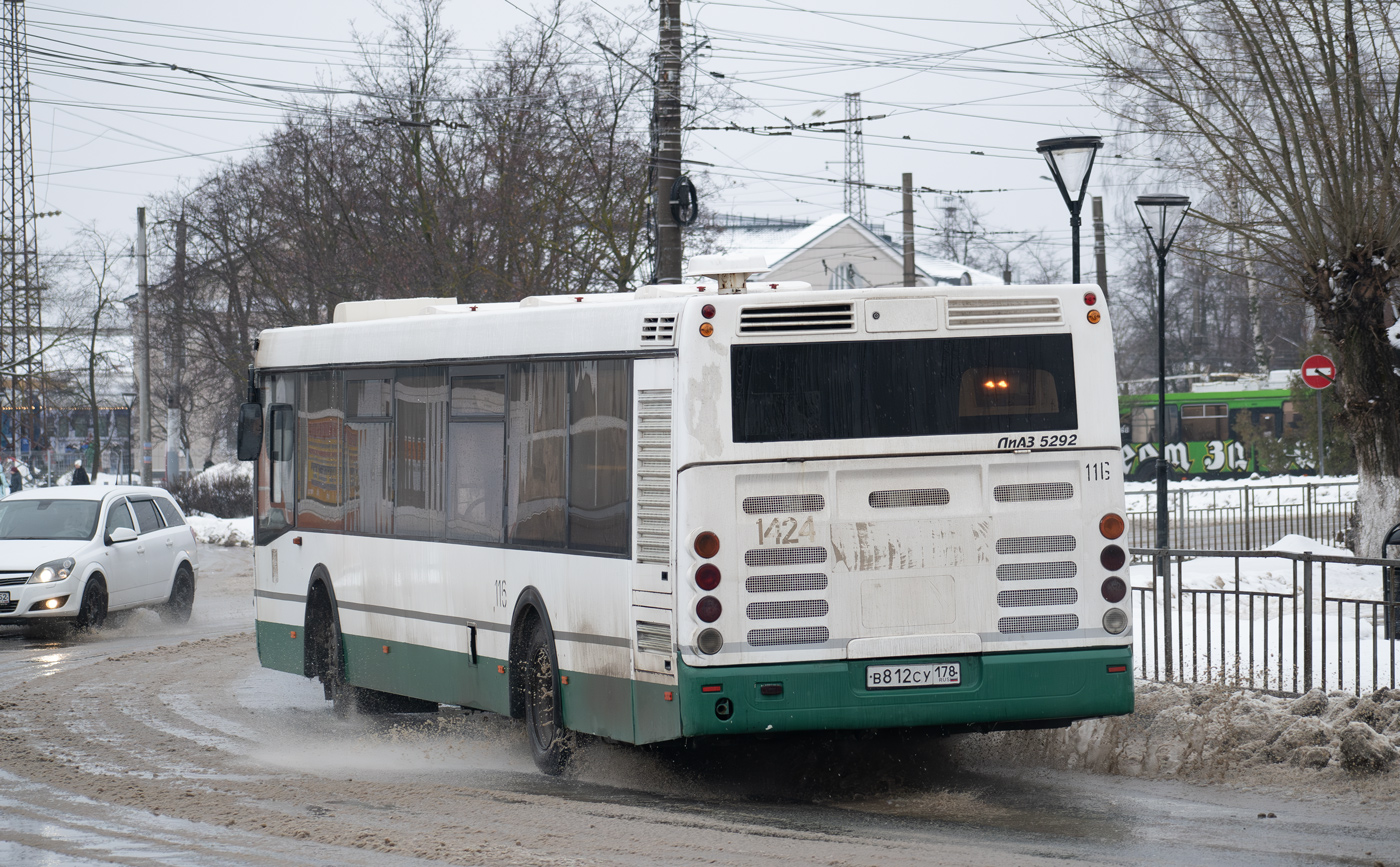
x=659, y=329
x=1035, y=544
x=787, y=608
x=1022, y=598
x=976, y=312
x=654, y=638
x=1033, y=491
x=797, y=319
x=905, y=499
x=789, y=635
x=1039, y=623
x=789, y=503
x=784, y=556
x=654, y=476
x=1062, y=570
x=785, y=583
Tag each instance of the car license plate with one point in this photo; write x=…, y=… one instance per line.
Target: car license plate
x=4, y=597
x=906, y=676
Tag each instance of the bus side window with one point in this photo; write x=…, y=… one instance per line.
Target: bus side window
x=276, y=511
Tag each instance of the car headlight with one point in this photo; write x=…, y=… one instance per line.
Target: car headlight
x=54, y=570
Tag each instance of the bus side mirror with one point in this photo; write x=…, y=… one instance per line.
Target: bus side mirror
x=250, y=431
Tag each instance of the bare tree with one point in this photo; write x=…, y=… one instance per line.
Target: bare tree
x=1291, y=109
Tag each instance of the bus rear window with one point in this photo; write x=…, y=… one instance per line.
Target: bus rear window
x=900, y=388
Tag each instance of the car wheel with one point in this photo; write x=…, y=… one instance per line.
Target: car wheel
x=177, y=608
x=92, y=610
x=551, y=745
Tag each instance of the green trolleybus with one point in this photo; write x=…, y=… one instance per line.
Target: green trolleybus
x=688, y=511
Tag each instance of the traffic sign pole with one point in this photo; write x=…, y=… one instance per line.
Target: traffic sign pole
x=1319, y=372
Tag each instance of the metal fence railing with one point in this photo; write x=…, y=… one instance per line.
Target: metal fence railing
x=1244, y=516
x=1266, y=619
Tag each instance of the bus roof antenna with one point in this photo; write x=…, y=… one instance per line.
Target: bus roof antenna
x=732, y=272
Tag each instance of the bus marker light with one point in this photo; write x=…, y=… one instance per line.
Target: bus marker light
x=563, y=680
x=1111, y=526
x=1113, y=589
x=296, y=541
x=707, y=576
x=386, y=648
x=1090, y=299
x=712, y=687
x=709, y=641
x=1112, y=558
x=500, y=669
x=1094, y=317
x=1117, y=669
x=1114, y=621
x=707, y=544
x=708, y=609
x=708, y=311
x=294, y=633
x=670, y=696
x=706, y=329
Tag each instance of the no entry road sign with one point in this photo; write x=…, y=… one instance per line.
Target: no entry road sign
x=1319, y=371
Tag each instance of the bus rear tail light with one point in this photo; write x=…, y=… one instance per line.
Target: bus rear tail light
x=1115, y=621
x=1111, y=526
x=1113, y=589
x=1094, y=317
x=709, y=641
x=1112, y=558
x=708, y=609
x=707, y=576
x=1090, y=299
x=706, y=544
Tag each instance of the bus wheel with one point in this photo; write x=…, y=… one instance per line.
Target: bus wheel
x=345, y=698
x=551, y=745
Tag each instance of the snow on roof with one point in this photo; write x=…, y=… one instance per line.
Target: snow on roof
x=777, y=239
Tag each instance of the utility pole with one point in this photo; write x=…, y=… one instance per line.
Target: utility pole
x=854, y=199
x=143, y=290
x=173, y=403
x=666, y=117
x=1100, y=247
x=21, y=323
x=908, y=187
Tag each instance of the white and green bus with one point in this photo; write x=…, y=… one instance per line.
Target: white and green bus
x=685, y=512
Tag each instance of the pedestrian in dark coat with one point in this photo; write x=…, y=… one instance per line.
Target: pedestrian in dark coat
x=16, y=480
x=80, y=476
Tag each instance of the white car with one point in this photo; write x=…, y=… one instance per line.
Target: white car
x=78, y=553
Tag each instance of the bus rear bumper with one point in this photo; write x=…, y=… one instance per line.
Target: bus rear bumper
x=998, y=691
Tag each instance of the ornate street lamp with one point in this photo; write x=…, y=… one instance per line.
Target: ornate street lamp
x=1071, y=160
x=1161, y=218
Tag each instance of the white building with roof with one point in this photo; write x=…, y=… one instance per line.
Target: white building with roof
x=835, y=252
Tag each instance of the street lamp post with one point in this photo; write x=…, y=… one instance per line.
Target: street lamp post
x=130, y=397
x=1161, y=217
x=1071, y=160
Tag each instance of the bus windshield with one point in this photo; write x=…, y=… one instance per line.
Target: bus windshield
x=903, y=388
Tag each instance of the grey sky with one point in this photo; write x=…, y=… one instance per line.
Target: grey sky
x=962, y=114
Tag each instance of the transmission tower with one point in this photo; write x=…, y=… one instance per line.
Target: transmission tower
x=854, y=201
x=21, y=368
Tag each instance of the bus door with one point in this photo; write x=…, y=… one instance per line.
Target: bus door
x=653, y=559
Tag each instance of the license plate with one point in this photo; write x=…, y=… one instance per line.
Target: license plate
x=4, y=597
x=907, y=676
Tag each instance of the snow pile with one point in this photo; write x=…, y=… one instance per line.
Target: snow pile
x=1216, y=733
x=225, y=532
x=1273, y=576
x=242, y=470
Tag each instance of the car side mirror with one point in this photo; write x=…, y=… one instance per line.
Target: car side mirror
x=250, y=431
x=121, y=534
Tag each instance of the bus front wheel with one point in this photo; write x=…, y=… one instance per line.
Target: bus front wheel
x=551, y=745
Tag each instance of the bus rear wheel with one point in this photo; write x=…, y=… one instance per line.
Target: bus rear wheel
x=551, y=745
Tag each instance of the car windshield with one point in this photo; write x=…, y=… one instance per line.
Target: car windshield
x=48, y=519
